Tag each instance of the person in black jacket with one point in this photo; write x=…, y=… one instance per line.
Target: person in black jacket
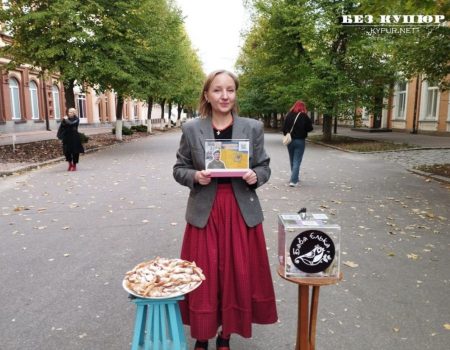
x=68, y=133
x=299, y=122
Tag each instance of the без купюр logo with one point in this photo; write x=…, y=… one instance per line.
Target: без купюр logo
x=392, y=19
x=392, y=24
x=312, y=251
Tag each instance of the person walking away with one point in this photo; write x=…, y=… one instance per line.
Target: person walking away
x=301, y=124
x=71, y=141
x=224, y=233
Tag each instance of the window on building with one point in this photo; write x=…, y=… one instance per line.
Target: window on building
x=81, y=106
x=34, y=100
x=106, y=108
x=135, y=112
x=14, y=94
x=401, y=100
x=364, y=114
x=56, y=104
x=432, y=100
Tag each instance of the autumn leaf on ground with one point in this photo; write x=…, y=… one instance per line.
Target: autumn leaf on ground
x=412, y=256
x=447, y=326
x=350, y=264
x=20, y=208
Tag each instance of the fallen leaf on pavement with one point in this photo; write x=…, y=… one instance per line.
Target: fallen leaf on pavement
x=350, y=264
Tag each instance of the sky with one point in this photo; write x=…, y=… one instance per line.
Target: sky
x=214, y=27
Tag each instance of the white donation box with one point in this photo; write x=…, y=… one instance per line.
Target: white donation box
x=308, y=245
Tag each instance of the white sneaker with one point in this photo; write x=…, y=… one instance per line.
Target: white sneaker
x=291, y=184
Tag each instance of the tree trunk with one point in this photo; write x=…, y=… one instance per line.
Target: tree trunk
x=170, y=114
x=327, y=126
x=266, y=118
x=68, y=94
x=119, y=121
x=335, y=124
x=162, y=103
x=282, y=119
x=44, y=87
x=149, y=113
x=179, y=109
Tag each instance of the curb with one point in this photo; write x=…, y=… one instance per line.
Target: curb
x=28, y=167
x=438, y=178
x=374, y=152
x=22, y=169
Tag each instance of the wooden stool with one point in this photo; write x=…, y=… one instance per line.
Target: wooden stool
x=158, y=325
x=307, y=318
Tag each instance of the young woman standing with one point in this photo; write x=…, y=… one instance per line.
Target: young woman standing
x=224, y=233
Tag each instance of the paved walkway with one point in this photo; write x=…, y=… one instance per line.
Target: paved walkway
x=40, y=135
x=421, y=140
x=67, y=239
x=434, y=149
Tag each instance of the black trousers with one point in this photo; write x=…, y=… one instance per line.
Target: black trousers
x=72, y=157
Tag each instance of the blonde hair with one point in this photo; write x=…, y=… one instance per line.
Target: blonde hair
x=72, y=110
x=204, y=107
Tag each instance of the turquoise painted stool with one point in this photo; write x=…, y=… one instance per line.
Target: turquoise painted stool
x=158, y=325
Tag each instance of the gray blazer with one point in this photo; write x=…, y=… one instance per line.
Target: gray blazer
x=191, y=158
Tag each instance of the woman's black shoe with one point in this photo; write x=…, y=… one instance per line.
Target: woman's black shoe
x=222, y=343
x=200, y=345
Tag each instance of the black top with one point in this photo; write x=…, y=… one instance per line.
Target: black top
x=302, y=126
x=70, y=136
x=225, y=134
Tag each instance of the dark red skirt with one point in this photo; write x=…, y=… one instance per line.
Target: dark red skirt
x=238, y=289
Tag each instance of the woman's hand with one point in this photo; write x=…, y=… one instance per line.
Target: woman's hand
x=250, y=177
x=203, y=177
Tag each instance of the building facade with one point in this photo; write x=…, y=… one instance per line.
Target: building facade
x=416, y=106
x=30, y=102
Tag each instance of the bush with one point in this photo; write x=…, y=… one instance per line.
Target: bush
x=83, y=137
x=125, y=131
x=139, y=128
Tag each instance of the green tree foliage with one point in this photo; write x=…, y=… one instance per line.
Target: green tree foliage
x=50, y=36
x=299, y=49
x=133, y=47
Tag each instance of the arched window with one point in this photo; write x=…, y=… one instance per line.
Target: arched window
x=15, y=99
x=401, y=100
x=432, y=101
x=81, y=105
x=135, y=110
x=34, y=100
x=57, y=107
x=107, y=108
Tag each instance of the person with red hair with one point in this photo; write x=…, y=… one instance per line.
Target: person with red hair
x=298, y=123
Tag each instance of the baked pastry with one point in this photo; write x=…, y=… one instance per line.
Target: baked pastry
x=162, y=277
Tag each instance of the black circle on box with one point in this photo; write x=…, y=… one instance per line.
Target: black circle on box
x=312, y=251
